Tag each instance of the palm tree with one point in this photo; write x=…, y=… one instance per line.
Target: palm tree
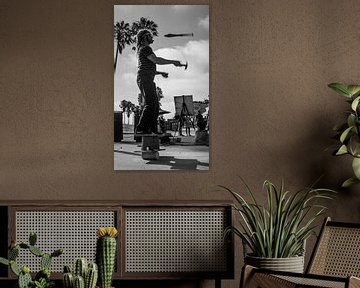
x=130, y=110
x=145, y=23
x=123, y=35
x=123, y=105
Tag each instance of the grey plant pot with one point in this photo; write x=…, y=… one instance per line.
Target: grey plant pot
x=291, y=264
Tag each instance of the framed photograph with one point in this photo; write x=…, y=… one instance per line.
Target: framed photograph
x=161, y=87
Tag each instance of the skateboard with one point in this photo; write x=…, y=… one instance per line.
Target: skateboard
x=150, y=146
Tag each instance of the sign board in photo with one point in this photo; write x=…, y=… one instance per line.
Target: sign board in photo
x=184, y=105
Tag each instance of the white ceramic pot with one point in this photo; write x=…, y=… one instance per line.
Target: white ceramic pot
x=291, y=264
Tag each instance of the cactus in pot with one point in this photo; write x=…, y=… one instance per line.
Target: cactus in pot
x=79, y=282
x=80, y=268
x=106, y=254
x=42, y=278
x=68, y=278
x=85, y=275
x=91, y=276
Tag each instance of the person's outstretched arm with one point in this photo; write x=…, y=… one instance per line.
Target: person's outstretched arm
x=163, y=61
x=164, y=74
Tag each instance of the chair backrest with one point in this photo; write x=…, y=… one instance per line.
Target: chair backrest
x=337, y=251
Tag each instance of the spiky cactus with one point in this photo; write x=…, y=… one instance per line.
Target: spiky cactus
x=42, y=278
x=45, y=261
x=106, y=254
x=67, y=278
x=80, y=267
x=79, y=282
x=24, y=280
x=91, y=275
x=84, y=274
x=32, y=238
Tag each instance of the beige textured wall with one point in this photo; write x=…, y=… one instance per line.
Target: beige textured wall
x=272, y=113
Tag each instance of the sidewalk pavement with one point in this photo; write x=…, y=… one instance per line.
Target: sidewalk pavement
x=182, y=155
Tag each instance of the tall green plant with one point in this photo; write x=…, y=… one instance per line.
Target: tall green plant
x=348, y=132
x=279, y=229
x=106, y=254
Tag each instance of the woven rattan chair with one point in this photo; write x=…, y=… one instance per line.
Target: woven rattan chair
x=334, y=263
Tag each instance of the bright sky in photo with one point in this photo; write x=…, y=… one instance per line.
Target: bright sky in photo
x=170, y=19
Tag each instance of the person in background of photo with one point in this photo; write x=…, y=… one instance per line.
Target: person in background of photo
x=200, y=122
x=147, y=62
x=187, y=126
x=181, y=125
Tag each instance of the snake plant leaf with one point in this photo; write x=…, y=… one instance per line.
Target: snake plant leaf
x=342, y=150
x=353, y=89
x=345, y=134
x=356, y=167
x=349, y=182
x=340, y=88
x=355, y=103
x=278, y=228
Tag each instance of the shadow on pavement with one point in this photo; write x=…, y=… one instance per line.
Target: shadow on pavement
x=126, y=152
x=174, y=163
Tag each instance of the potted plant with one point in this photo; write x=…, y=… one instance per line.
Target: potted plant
x=275, y=233
x=42, y=278
x=106, y=254
x=84, y=274
x=348, y=132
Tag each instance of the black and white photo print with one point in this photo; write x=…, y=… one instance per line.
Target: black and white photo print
x=161, y=87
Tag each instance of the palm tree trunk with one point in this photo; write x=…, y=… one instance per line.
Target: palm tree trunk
x=116, y=57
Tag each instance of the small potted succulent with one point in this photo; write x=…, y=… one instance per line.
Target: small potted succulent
x=84, y=274
x=274, y=234
x=42, y=278
x=348, y=133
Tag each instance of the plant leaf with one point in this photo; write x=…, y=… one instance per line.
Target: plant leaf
x=14, y=268
x=4, y=261
x=356, y=167
x=342, y=150
x=279, y=228
x=349, y=182
x=354, y=143
x=353, y=89
x=341, y=127
x=345, y=134
x=340, y=88
x=351, y=120
x=355, y=103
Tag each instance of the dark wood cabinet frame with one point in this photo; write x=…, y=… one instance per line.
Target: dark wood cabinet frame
x=9, y=208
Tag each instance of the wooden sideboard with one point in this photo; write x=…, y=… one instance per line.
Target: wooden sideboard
x=157, y=240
